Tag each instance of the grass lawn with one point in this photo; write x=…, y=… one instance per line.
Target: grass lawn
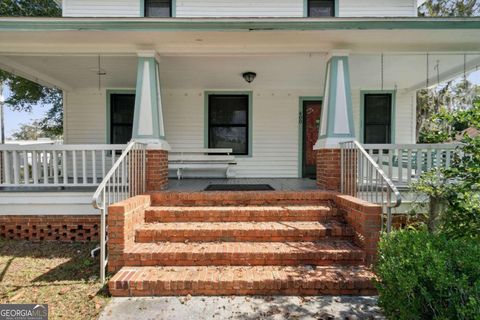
x=60, y=274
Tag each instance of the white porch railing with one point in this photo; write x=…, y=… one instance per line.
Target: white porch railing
x=404, y=163
x=125, y=179
x=362, y=177
x=56, y=165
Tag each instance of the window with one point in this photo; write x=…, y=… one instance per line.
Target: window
x=377, y=118
x=122, y=107
x=321, y=8
x=228, y=122
x=158, y=8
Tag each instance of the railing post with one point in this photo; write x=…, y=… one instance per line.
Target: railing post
x=103, y=247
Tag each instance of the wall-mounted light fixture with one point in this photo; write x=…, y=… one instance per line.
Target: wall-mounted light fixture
x=249, y=76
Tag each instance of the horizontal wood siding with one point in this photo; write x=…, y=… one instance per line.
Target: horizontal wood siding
x=377, y=8
x=235, y=8
x=102, y=8
x=275, y=124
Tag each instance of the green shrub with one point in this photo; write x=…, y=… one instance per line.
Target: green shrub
x=428, y=276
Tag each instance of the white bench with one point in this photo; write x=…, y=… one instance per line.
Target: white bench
x=181, y=160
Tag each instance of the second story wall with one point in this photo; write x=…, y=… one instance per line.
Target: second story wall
x=237, y=8
x=101, y=8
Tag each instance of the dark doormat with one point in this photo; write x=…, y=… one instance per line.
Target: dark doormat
x=239, y=187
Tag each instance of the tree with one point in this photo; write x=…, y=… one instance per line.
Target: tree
x=449, y=8
x=26, y=93
x=453, y=94
x=31, y=131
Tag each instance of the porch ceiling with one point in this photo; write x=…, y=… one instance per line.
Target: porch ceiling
x=275, y=71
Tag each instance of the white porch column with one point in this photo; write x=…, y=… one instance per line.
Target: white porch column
x=336, y=123
x=148, y=123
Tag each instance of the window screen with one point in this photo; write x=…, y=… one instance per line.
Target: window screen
x=158, y=8
x=121, y=118
x=377, y=118
x=228, y=122
x=321, y=8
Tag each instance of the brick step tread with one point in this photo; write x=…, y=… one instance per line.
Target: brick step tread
x=231, y=280
x=241, y=213
x=242, y=197
x=243, y=253
x=242, y=231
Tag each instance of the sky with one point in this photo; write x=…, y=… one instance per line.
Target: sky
x=13, y=119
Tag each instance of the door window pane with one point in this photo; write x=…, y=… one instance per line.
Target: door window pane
x=158, y=8
x=122, y=107
x=321, y=8
x=228, y=122
x=377, y=118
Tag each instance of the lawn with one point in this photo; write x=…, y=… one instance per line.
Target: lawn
x=60, y=274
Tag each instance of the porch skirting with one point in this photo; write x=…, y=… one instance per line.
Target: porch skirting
x=65, y=228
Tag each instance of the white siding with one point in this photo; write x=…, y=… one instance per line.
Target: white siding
x=235, y=8
x=404, y=116
x=101, y=8
x=377, y=8
x=275, y=125
x=85, y=117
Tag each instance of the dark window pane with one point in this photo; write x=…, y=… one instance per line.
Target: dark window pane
x=122, y=107
x=228, y=109
x=122, y=110
x=121, y=134
x=157, y=8
x=377, y=118
x=228, y=122
x=321, y=8
x=229, y=137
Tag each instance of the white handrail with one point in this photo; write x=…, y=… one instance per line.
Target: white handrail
x=362, y=177
x=125, y=179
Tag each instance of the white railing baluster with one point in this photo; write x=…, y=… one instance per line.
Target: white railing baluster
x=94, y=168
x=45, y=166
x=84, y=167
x=409, y=166
x=55, y=167
x=65, y=167
x=26, y=169
x=74, y=167
x=16, y=168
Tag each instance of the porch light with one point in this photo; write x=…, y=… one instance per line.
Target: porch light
x=249, y=76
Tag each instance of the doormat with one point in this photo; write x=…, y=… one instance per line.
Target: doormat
x=239, y=187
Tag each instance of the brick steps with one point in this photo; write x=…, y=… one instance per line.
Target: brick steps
x=243, y=253
x=242, y=243
x=241, y=213
x=242, y=198
x=242, y=231
x=271, y=280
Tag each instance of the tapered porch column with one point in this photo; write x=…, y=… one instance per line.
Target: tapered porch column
x=148, y=126
x=336, y=123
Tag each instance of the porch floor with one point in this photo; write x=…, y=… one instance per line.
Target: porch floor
x=279, y=184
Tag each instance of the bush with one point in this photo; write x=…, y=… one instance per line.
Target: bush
x=428, y=276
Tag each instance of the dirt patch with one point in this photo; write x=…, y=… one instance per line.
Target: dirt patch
x=60, y=274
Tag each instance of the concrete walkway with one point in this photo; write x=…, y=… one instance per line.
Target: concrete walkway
x=199, y=308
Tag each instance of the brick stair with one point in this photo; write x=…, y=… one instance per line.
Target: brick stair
x=235, y=243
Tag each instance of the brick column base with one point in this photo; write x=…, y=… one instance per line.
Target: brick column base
x=157, y=170
x=328, y=169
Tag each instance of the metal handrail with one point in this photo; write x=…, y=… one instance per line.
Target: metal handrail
x=362, y=177
x=125, y=179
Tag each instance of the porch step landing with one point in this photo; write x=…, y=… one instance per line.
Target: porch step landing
x=242, y=243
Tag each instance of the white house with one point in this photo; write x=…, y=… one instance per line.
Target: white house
x=282, y=83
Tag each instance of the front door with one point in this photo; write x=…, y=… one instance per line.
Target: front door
x=311, y=123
